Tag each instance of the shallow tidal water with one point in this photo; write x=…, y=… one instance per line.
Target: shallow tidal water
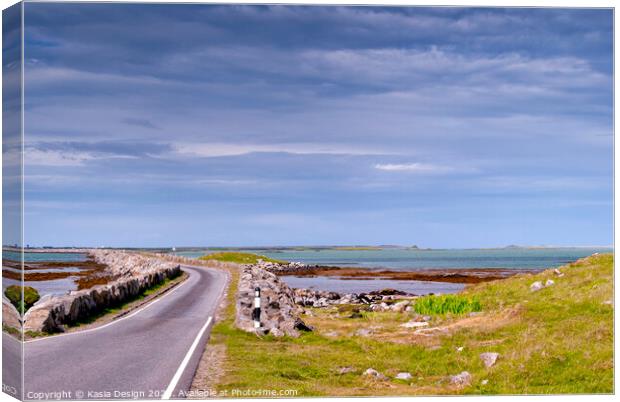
x=333, y=284
x=403, y=259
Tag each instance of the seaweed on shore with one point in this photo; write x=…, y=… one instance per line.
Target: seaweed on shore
x=92, y=273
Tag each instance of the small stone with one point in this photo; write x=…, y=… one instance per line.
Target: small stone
x=536, y=286
x=331, y=334
x=608, y=302
x=549, y=282
x=484, y=382
x=346, y=370
x=363, y=332
x=370, y=372
x=400, y=306
x=403, y=376
x=414, y=324
x=460, y=349
x=276, y=332
x=558, y=273
x=462, y=379
x=489, y=358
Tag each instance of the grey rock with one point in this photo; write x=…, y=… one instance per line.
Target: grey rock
x=10, y=316
x=415, y=324
x=536, y=286
x=346, y=370
x=400, y=306
x=370, y=372
x=403, y=376
x=462, y=379
x=549, y=282
x=363, y=332
x=489, y=358
x=280, y=305
x=276, y=332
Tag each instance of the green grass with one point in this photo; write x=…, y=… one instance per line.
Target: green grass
x=557, y=340
x=11, y=330
x=440, y=305
x=14, y=294
x=239, y=258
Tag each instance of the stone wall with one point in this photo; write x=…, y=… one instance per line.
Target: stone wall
x=10, y=316
x=135, y=273
x=279, y=313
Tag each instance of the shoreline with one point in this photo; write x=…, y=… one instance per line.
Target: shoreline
x=449, y=275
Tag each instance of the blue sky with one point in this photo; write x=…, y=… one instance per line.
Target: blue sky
x=170, y=125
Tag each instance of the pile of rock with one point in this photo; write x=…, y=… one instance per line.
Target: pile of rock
x=279, y=313
x=135, y=274
x=123, y=264
x=10, y=316
x=287, y=268
x=376, y=301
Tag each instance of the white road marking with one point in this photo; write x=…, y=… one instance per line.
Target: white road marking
x=112, y=322
x=177, y=376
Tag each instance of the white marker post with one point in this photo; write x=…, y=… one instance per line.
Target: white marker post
x=256, y=311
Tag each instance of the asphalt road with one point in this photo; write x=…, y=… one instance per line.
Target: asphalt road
x=149, y=354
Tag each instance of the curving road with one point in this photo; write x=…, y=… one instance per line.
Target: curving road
x=152, y=353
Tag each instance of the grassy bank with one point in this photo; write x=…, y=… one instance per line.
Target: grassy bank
x=556, y=340
x=239, y=258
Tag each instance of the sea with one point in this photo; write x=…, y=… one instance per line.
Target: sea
x=397, y=259
x=411, y=259
x=51, y=287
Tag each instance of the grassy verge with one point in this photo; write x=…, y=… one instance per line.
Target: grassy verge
x=239, y=258
x=556, y=340
x=447, y=304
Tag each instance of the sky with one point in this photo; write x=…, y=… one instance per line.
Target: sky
x=201, y=125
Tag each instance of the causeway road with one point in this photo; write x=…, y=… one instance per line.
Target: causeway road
x=151, y=353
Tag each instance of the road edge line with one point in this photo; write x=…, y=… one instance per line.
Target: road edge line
x=177, y=376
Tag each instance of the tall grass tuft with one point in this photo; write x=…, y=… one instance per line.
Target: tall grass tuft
x=440, y=305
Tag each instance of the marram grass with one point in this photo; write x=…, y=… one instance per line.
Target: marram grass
x=453, y=304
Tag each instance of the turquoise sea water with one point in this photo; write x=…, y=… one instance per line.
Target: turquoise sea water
x=56, y=286
x=34, y=257
x=412, y=259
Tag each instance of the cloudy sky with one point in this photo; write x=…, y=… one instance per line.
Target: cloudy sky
x=170, y=125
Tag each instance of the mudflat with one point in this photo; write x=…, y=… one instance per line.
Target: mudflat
x=453, y=275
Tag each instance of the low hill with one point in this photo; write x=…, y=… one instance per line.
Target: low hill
x=239, y=258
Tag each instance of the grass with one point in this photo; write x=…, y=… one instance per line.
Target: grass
x=14, y=294
x=556, y=340
x=10, y=330
x=240, y=258
x=441, y=305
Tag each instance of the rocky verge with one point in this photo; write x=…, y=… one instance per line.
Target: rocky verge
x=133, y=274
x=384, y=300
x=10, y=316
x=279, y=313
